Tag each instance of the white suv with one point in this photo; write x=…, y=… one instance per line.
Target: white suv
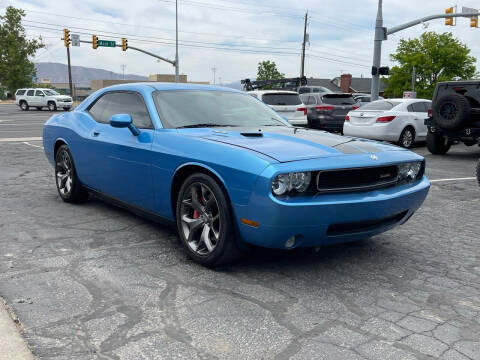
x=286, y=103
x=39, y=98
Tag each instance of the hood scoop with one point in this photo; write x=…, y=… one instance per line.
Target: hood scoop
x=252, y=134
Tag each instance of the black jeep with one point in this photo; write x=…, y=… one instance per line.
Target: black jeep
x=455, y=115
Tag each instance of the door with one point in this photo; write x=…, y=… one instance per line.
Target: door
x=419, y=113
x=30, y=97
x=39, y=98
x=122, y=161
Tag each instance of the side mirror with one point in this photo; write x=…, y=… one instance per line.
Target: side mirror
x=124, y=121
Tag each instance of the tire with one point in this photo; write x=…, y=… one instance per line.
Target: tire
x=407, y=137
x=203, y=209
x=437, y=144
x=452, y=111
x=478, y=172
x=23, y=105
x=52, y=106
x=68, y=185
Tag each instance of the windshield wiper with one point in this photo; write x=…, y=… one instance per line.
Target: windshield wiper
x=206, y=125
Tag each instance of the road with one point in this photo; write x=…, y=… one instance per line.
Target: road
x=93, y=281
x=15, y=123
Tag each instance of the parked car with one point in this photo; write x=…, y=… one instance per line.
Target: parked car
x=455, y=115
x=314, y=89
x=40, y=98
x=396, y=120
x=362, y=99
x=286, y=103
x=327, y=111
x=228, y=170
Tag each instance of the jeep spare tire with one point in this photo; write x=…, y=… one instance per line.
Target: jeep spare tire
x=451, y=111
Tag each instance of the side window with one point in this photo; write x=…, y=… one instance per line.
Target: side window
x=410, y=108
x=419, y=107
x=39, y=93
x=427, y=105
x=122, y=103
x=312, y=100
x=30, y=92
x=20, y=92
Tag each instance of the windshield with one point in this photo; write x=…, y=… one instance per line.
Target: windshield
x=338, y=100
x=206, y=108
x=281, y=99
x=380, y=105
x=51, y=92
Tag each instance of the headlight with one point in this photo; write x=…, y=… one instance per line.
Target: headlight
x=284, y=183
x=409, y=171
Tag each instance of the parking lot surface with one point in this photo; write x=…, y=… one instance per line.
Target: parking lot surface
x=93, y=281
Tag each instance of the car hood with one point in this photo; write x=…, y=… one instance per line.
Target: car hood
x=285, y=144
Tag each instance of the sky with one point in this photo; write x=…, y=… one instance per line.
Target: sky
x=232, y=36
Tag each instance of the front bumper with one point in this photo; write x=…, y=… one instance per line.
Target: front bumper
x=328, y=218
x=377, y=131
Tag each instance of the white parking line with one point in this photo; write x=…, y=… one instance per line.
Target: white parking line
x=453, y=179
x=27, y=143
x=22, y=139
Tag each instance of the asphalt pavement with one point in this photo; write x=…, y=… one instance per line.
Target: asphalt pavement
x=93, y=281
x=15, y=123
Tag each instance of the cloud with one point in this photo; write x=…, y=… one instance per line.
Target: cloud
x=341, y=34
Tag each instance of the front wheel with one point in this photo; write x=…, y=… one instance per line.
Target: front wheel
x=24, y=106
x=68, y=185
x=204, y=221
x=437, y=144
x=52, y=106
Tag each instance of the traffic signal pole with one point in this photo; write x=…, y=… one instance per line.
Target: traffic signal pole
x=381, y=35
x=70, y=74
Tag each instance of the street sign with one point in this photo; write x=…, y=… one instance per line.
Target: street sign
x=106, y=43
x=409, y=94
x=467, y=10
x=75, y=39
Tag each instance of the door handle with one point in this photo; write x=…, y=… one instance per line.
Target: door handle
x=96, y=133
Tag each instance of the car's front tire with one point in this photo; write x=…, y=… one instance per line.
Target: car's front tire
x=23, y=105
x=52, y=106
x=69, y=187
x=205, y=222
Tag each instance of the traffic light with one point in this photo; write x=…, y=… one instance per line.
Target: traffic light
x=449, y=20
x=124, y=44
x=66, y=37
x=474, y=21
x=94, y=41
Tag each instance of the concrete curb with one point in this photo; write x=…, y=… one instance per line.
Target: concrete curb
x=13, y=346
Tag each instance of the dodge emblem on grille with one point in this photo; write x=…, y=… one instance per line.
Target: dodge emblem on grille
x=374, y=157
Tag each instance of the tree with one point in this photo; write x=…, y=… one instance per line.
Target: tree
x=16, y=70
x=267, y=70
x=436, y=57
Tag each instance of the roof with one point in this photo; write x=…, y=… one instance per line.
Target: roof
x=167, y=86
x=327, y=83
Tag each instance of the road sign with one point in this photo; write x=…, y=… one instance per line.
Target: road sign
x=467, y=10
x=75, y=39
x=106, y=43
x=409, y=94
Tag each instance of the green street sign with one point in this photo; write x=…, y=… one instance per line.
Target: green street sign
x=106, y=43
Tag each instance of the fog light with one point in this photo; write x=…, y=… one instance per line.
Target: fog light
x=290, y=242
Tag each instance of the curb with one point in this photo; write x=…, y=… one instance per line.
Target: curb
x=13, y=345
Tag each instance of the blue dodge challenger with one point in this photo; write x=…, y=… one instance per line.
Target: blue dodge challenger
x=228, y=170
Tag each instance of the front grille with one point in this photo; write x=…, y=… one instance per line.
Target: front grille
x=363, y=226
x=356, y=179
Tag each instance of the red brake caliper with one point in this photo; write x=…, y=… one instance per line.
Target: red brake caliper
x=196, y=214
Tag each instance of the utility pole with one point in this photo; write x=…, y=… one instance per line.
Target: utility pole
x=66, y=41
x=302, y=69
x=214, y=69
x=176, y=42
x=123, y=66
x=377, y=52
x=413, y=79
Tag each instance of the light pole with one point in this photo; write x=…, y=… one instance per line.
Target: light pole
x=377, y=52
x=214, y=69
x=176, y=42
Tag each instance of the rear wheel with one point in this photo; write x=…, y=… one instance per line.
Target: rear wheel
x=23, y=105
x=204, y=221
x=68, y=185
x=52, y=106
x=437, y=144
x=407, y=137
